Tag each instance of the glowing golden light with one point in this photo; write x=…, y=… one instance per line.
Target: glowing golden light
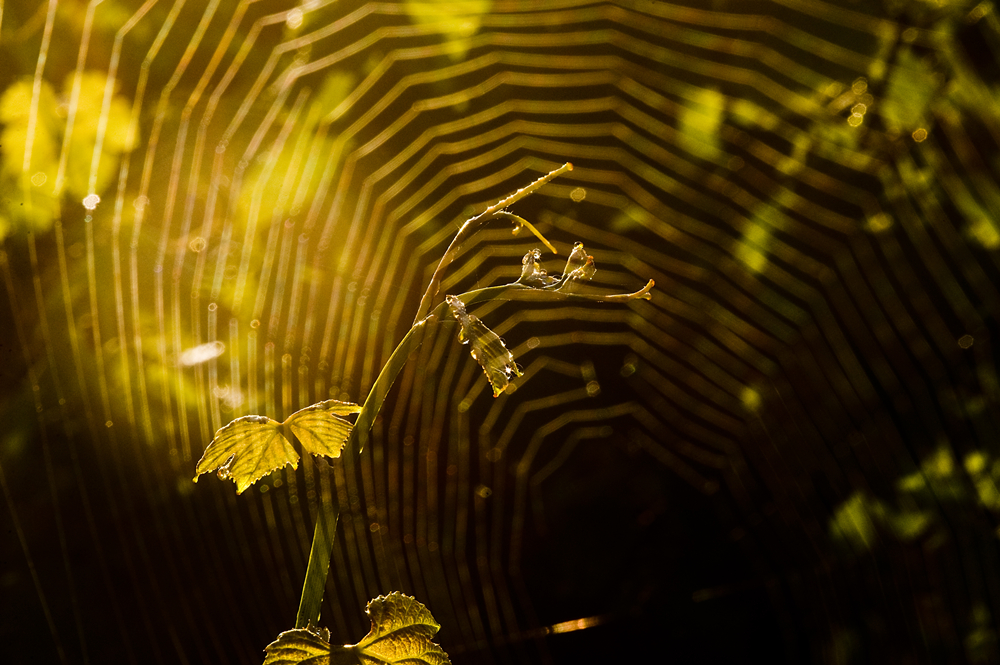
x=578, y=624
x=202, y=353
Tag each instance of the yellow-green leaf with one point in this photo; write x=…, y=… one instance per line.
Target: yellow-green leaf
x=249, y=448
x=246, y=450
x=302, y=646
x=401, y=632
x=486, y=347
x=319, y=429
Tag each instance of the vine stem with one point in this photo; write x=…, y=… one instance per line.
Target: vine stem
x=318, y=567
x=471, y=225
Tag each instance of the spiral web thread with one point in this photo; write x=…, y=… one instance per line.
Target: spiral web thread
x=232, y=208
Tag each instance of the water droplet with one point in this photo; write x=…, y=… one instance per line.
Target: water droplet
x=90, y=201
x=212, y=307
x=255, y=323
x=39, y=179
x=578, y=194
x=483, y=491
x=919, y=134
x=965, y=341
x=855, y=119
x=197, y=244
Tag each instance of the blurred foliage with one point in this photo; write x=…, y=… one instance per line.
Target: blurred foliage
x=909, y=92
x=699, y=124
x=459, y=20
x=269, y=174
x=862, y=519
x=75, y=115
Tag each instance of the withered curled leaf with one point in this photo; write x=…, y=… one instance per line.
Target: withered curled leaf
x=486, y=347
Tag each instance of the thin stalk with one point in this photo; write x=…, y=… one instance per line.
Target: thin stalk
x=326, y=522
x=329, y=513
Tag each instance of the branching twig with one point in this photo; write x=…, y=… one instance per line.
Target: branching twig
x=471, y=225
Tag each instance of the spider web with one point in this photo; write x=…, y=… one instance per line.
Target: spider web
x=215, y=209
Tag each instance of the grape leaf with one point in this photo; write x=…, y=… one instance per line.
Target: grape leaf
x=302, y=646
x=486, y=347
x=246, y=450
x=401, y=632
x=249, y=448
x=319, y=429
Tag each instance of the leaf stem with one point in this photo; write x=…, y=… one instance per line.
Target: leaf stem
x=318, y=568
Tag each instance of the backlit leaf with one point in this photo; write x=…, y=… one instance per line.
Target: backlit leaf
x=249, y=448
x=246, y=450
x=401, y=632
x=319, y=429
x=302, y=646
x=486, y=347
